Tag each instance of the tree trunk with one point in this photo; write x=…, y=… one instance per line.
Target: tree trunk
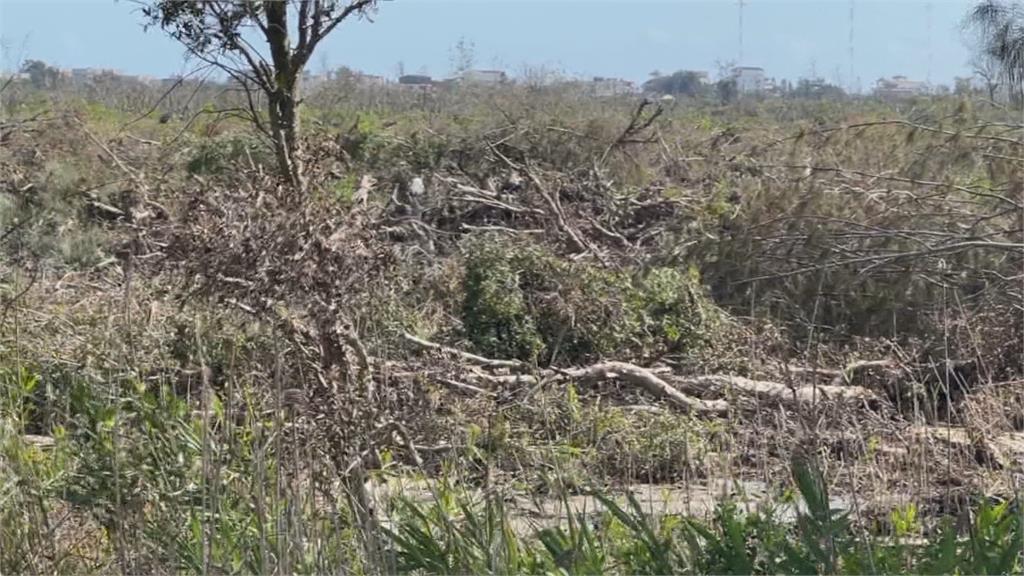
x=283, y=101
x=284, y=127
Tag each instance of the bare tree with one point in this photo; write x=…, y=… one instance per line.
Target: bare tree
x=229, y=34
x=989, y=71
x=462, y=56
x=999, y=25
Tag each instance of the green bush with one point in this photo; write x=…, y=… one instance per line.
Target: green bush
x=495, y=313
x=218, y=155
x=53, y=223
x=524, y=302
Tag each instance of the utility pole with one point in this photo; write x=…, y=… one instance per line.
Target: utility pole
x=853, y=84
x=740, y=3
x=928, y=20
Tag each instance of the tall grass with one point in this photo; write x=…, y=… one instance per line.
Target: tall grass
x=138, y=480
x=456, y=533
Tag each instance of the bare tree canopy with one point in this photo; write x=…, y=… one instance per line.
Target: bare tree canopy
x=229, y=34
x=1000, y=28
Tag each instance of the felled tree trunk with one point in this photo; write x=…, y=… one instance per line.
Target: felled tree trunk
x=652, y=384
x=772, y=392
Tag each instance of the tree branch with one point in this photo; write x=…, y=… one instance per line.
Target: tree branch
x=648, y=381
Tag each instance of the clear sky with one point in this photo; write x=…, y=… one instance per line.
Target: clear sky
x=623, y=38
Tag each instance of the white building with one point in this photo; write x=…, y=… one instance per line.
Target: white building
x=749, y=79
x=489, y=77
x=311, y=81
x=607, y=87
x=900, y=87
x=371, y=81
x=89, y=74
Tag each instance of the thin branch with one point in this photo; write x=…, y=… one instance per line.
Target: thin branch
x=471, y=358
x=302, y=57
x=882, y=258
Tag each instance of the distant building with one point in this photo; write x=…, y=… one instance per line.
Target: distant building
x=370, y=80
x=815, y=88
x=311, y=80
x=14, y=76
x=899, y=87
x=353, y=77
x=415, y=80
x=749, y=79
x=489, y=77
x=607, y=87
x=90, y=74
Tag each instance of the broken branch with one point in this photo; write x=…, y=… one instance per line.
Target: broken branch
x=648, y=381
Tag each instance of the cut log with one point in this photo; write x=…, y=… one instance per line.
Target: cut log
x=492, y=381
x=1000, y=451
x=771, y=392
x=465, y=388
x=646, y=380
x=853, y=372
x=699, y=394
x=39, y=441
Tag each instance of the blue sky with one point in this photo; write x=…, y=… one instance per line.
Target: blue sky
x=623, y=38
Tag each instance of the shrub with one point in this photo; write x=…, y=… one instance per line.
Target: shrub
x=522, y=301
x=217, y=155
x=495, y=315
x=53, y=223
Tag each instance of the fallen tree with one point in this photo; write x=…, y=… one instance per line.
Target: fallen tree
x=712, y=395
x=652, y=384
x=772, y=392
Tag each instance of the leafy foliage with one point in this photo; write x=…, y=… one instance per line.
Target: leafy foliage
x=523, y=302
x=683, y=83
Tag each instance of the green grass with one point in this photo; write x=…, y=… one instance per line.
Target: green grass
x=457, y=534
x=155, y=485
